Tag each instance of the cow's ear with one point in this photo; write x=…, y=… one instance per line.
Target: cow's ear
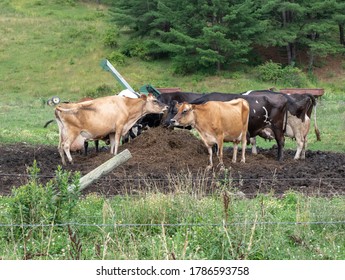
x=143, y=96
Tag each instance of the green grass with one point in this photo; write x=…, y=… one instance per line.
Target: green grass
x=54, y=49
x=176, y=226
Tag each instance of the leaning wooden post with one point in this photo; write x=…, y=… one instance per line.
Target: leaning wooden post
x=103, y=169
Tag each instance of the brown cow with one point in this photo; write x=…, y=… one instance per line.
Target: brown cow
x=80, y=142
x=217, y=122
x=113, y=115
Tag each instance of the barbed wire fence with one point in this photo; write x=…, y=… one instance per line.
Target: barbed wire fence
x=207, y=185
x=194, y=183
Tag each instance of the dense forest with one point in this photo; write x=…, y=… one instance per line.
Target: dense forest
x=211, y=35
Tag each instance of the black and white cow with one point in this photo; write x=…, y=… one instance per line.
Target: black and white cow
x=299, y=107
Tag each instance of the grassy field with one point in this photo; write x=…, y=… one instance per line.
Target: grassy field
x=47, y=49
x=37, y=224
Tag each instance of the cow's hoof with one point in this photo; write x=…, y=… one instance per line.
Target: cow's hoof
x=222, y=167
x=209, y=168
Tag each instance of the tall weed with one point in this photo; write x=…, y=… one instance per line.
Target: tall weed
x=37, y=204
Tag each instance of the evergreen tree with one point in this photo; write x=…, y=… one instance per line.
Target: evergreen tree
x=282, y=20
x=318, y=29
x=216, y=34
x=339, y=18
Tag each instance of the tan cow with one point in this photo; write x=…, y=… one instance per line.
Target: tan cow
x=95, y=119
x=217, y=122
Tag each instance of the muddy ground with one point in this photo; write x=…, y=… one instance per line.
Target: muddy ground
x=164, y=161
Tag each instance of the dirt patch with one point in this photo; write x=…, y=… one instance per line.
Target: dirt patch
x=161, y=157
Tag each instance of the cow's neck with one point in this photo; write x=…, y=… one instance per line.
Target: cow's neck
x=136, y=110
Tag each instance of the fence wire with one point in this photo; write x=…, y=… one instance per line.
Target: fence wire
x=114, y=225
x=184, y=178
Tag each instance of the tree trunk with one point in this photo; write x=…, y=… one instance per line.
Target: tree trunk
x=293, y=53
x=311, y=61
x=289, y=55
x=311, y=54
x=341, y=34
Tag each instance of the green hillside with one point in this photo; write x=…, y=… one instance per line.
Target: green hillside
x=54, y=47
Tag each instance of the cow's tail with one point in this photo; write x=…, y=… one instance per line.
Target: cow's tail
x=47, y=123
x=66, y=110
x=316, y=129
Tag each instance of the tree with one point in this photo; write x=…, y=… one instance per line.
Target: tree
x=339, y=18
x=318, y=29
x=211, y=35
x=282, y=25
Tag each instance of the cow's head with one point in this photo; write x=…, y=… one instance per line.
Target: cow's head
x=152, y=105
x=184, y=116
x=172, y=111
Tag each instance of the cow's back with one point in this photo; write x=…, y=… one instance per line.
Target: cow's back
x=96, y=117
x=179, y=96
x=217, y=116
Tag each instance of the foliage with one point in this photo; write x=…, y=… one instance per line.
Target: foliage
x=269, y=71
x=136, y=49
x=39, y=60
x=111, y=38
x=204, y=35
x=116, y=58
x=293, y=77
x=184, y=225
x=288, y=76
x=102, y=90
x=53, y=203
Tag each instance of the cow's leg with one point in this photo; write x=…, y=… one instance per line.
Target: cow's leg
x=305, y=133
x=253, y=143
x=234, y=154
x=86, y=146
x=61, y=151
x=112, y=142
x=210, y=154
x=305, y=144
x=300, y=145
x=220, y=153
x=118, y=135
x=97, y=145
x=279, y=136
x=67, y=145
x=61, y=141
x=244, y=146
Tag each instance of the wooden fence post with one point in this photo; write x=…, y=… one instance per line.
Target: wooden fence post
x=102, y=170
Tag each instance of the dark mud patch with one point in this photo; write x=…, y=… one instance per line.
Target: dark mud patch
x=163, y=159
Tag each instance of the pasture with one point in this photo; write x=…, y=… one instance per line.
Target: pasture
x=161, y=204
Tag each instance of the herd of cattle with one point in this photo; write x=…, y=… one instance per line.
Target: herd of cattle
x=218, y=118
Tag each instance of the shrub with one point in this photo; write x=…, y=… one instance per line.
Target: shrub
x=288, y=76
x=117, y=58
x=269, y=71
x=111, y=37
x=136, y=49
x=102, y=90
x=292, y=77
x=36, y=204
